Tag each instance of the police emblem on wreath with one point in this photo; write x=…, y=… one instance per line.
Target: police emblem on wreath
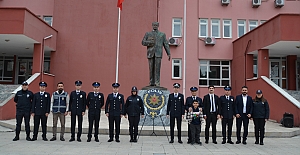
x=154, y=101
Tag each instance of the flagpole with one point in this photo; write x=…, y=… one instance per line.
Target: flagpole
x=184, y=46
x=118, y=46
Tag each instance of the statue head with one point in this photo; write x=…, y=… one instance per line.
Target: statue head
x=155, y=25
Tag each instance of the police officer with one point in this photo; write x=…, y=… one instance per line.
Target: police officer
x=40, y=110
x=134, y=108
x=95, y=101
x=227, y=114
x=23, y=99
x=77, y=106
x=188, y=106
x=175, y=109
x=114, y=110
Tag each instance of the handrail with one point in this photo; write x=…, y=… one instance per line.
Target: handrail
x=33, y=77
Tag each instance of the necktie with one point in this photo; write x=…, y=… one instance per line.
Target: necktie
x=95, y=94
x=227, y=97
x=42, y=94
x=176, y=95
x=194, y=98
x=115, y=95
x=77, y=93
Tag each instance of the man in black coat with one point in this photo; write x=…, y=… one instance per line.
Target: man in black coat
x=243, y=111
x=227, y=113
x=40, y=110
x=95, y=101
x=23, y=100
x=77, y=106
x=211, y=113
x=175, y=109
x=114, y=110
x=188, y=105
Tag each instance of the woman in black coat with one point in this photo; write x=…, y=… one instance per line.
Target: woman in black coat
x=260, y=115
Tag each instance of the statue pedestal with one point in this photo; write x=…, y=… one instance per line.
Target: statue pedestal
x=155, y=104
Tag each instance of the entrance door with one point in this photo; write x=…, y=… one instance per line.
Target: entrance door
x=25, y=70
x=275, y=72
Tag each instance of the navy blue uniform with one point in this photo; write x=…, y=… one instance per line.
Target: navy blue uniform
x=227, y=112
x=261, y=112
x=211, y=110
x=40, y=106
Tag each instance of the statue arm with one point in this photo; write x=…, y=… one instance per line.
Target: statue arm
x=166, y=45
x=145, y=42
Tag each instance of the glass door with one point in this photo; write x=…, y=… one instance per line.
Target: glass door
x=275, y=72
x=25, y=70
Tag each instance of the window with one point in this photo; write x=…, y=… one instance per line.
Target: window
x=241, y=27
x=227, y=28
x=203, y=28
x=252, y=24
x=255, y=67
x=215, y=28
x=48, y=20
x=176, y=68
x=262, y=21
x=176, y=27
x=215, y=73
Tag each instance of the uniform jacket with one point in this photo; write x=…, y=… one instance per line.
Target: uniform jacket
x=239, y=105
x=207, y=104
x=115, y=105
x=189, y=102
x=227, y=107
x=261, y=109
x=134, y=106
x=23, y=100
x=176, y=106
x=95, y=103
x=41, y=103
x=77, y=103
x=160, y=41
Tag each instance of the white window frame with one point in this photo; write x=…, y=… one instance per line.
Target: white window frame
x=244, y=25
x=208, y=65
x=230, y=27
x=179, y=64
x=215, y=24
x=252, y=25
x=206, y=26
x=262, y=21
x=176, y=23
x=51, y=22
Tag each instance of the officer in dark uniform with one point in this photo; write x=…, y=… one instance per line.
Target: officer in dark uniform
x=23, y=99
x=175, y=109
x=134, y=108
x=227, y=113
x=95, y=101
x=40, y=110
x=188, y=105
x=114, y=110
x=77, y=106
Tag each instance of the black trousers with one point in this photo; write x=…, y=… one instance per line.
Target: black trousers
x=19, y=119
x=227, y=122
x=245, y=120
x=172, y=125
x=111, y=121
x=211, y=118
x=94, y=120
x=259, y=128
x=133, y=126
x=37, y=120
x=195, y=132
x=73, y=124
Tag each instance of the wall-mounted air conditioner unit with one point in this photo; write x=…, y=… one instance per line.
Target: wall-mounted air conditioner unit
x=225, y=2
x=256, y=3
x=210, y=41
x=279, y=3
x=174, y=41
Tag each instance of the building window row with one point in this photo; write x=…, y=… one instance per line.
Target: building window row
x=215, y=73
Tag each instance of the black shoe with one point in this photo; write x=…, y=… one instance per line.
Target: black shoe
x=53, y=139
x=238, y=142
x=215, y=142
x=16, y=139
x=62, y=139
x=96, y=139
x=261, y=143
x=118, y=140
x=244, y=142
x=28, y=138
x=88, y=140
x=131, y=140
x=78, y=140
x=135, y=140
x=45, y=139
x=110, y=140
x=223, y=142
x=72, y=139
x=34, y=139
x=179, y=141
x=172, y=141
x=192, y=143
x=206, y=141
x=199, y=143
x=230, y=142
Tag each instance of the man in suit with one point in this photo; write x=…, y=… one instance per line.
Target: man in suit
x=188, y=107
x=40, y=110
x=114, y=110
x=211, y=113
x=227, y=113
x=154, y=41
x=243, y=111
x=175, y=110
x=77, y=109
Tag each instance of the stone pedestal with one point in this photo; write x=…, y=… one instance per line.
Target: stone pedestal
x=155, y=104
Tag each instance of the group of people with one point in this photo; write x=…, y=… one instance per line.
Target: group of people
x=211, y=108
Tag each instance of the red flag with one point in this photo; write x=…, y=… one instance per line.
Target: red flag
x=120, y=4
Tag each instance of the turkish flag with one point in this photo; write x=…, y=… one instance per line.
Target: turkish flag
x=120, y=4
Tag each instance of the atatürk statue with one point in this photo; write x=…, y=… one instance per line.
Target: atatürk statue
x=154, y=41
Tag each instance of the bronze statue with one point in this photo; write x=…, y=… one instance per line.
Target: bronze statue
x=154, y=41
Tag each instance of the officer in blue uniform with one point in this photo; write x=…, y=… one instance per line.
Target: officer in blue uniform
x=23, y=99
x=227, y=114
x=175, y=109
x=40, y=110
x=77, y=106
x=188, y=105
x=95, y=101
x=114, y=110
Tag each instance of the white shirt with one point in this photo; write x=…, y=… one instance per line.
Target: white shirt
x=212, y=101
x=244, y=103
